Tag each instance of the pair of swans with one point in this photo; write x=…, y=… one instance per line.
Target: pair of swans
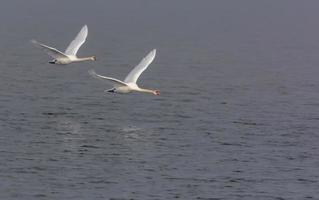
x=69, y=56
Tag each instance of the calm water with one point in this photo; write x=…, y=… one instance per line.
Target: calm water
x=237, y=118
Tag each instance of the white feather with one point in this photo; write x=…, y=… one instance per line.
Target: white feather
x=138, y=70
x=114, y=82
x=53, y=52
x=77, y=42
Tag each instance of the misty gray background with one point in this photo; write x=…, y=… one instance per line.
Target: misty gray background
x=237, y=117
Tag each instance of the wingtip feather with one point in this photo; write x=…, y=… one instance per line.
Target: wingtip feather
x=85, y=27
x=154, y=51
x=91, y=72
x=33, y=41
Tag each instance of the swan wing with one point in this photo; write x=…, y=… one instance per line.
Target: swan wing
x=137, y=71
x=53, y=52
x=77, y=42
x=113, y=81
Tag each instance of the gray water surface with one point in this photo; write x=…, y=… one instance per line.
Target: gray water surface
x=237, y=117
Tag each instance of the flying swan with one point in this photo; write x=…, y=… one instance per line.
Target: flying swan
x=69, y=55
x=129, y=83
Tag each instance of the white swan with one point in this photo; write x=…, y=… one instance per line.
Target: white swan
x=69, y=55
x=129, y=83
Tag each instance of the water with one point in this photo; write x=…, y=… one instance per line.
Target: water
x=237, y=117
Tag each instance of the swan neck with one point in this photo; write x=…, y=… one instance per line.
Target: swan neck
x=146, y=90
x=86, y=58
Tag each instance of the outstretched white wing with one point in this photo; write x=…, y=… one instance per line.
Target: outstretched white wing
x=54, y=53
x=114, y=82
x=77, y=42
x=137, y=71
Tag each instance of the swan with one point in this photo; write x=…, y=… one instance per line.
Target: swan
x=69, y=55
x=129, y=83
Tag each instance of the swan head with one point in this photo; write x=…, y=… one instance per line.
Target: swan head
x=93, y=58
x=156, y=92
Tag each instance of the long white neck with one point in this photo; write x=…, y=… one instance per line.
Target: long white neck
x=155, y=92
x=146, y=90
x=85, y=59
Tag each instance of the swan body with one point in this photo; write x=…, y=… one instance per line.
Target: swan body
x=129, y=83
x=69, y=56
